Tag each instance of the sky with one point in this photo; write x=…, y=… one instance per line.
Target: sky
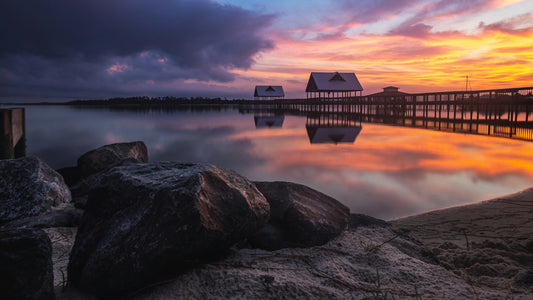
x=60, y=50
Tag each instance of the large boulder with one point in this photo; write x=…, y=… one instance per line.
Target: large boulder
x=95, y=162
x=299, y=216
x=26, y=265
x=68, y=217
x=145, y=222
x=29, y=187
x=108, y=156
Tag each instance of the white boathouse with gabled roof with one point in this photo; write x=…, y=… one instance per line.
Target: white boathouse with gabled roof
x=268, y=92
x=332, y=85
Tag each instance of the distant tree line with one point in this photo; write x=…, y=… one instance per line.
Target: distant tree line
x=156, y=101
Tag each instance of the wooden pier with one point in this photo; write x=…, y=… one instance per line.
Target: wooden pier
x=501, y=112
x=13, y=133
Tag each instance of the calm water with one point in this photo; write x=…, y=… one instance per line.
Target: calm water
x=387, y=172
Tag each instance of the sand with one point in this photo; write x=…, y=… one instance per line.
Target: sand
x=489, y=243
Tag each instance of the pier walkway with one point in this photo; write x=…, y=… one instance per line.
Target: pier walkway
x=499, y=112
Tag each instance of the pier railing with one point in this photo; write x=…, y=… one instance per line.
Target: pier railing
x=501, y=112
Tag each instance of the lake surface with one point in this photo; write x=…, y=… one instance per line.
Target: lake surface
x=387, y=172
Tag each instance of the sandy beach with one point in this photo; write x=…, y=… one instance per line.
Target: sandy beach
x=488, y=243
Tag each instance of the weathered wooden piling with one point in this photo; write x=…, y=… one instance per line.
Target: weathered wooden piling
x=12, y=133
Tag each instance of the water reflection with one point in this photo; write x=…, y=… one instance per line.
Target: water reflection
x=268, y=121
x=322, y=129
x=388, y=172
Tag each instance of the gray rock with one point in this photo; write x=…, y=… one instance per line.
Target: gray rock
x=357, y=220
x=525, y=279
x=145, y=222
x=26, y=265
x=71, y=175
x=108, y=156
x=29, y=187
x=304, y=216
x=80, y=190
x=270, y=237
x=69, y=217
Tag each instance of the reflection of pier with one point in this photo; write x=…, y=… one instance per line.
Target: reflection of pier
x=504, y=112
x=328, y=129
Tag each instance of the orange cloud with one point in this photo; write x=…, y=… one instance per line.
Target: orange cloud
x=498, y=56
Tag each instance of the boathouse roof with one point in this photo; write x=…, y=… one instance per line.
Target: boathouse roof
x=268, y=121
x=333, y=82
x=269, y=91
x=389, y=91
x=332, y=135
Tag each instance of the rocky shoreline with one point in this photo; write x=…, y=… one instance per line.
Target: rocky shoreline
x=119, y=226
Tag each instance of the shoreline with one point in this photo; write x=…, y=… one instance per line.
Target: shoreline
x=489, y=242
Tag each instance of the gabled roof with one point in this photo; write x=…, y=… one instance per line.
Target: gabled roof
x=269, y=91
x=332, y=135
x=333, y=82
x=389, y=91
x=268, y=121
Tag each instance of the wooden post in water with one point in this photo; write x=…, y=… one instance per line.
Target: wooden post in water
x=12, y=133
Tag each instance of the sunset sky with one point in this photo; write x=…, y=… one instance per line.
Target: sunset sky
x=60, y=49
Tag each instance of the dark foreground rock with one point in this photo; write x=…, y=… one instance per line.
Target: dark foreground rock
x=68, y=217
x=25, y=265
x=299, y=216
x=108, y=156
x=95, y=162
x=144, y=222
x=29, y=187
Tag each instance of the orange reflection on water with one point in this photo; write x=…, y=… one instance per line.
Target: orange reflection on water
x=392, y=171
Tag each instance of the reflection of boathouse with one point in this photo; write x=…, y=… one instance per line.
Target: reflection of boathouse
x=332, y=86
x=268, y=121
x=332, y=129
x=268, y=92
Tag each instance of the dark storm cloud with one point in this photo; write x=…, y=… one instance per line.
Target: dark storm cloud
x=105, y=43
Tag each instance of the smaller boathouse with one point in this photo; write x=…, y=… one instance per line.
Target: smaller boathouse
x=268, y=92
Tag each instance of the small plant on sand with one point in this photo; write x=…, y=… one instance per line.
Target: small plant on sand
x=377, y=292
x=375, y=248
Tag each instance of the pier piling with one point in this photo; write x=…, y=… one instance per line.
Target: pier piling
x=12, y=133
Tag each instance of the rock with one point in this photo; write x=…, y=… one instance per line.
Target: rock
x=357, y=220
x=26, y=265
x=270, y=237
x=29, y=187
x=95, y=162
x=304, y=217
x=69, y=217
x=71, y=175
x=80, y=191
x=147, y=221
x=525, y=279
x=108, y=156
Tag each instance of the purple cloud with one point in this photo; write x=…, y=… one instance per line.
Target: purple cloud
x=101, y=43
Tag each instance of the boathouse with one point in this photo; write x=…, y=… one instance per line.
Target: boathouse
x=332, y=86
x=268, y=92
x=389, y=91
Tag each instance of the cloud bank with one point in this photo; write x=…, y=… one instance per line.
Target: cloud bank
x=76, y=47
